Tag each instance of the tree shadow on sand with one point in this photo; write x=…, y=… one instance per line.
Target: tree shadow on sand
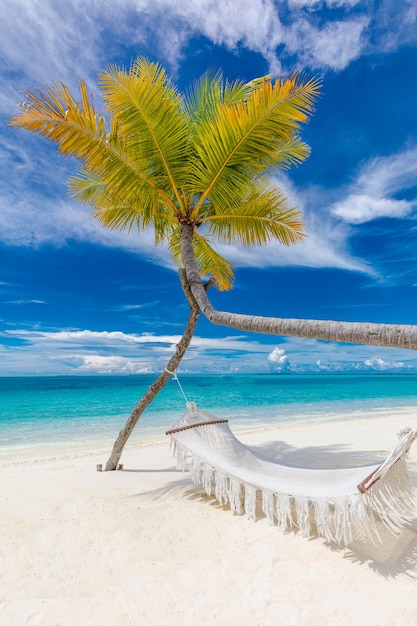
x=318, y=457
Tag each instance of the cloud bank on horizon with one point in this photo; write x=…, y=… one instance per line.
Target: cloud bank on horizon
x=358, y=190
x=92, y=352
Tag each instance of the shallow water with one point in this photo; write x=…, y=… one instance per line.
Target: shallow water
x=76, y=411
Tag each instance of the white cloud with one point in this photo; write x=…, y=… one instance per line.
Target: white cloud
x=279, y=361
x=378, y=364
x=328, y=367
x=360, y=208
x=312, y=355
x=389, y=174
x=45, y=40
x=25, y=301
x=375, y=364
x=79, y=351
x=332, y=46
x=314, y=4
x=394, y=25
x=86, y=351
x=98, y=364
x=258, y=25
x=42, y=40
x=373, y=193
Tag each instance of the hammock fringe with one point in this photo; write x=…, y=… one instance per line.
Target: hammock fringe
x=340, y=518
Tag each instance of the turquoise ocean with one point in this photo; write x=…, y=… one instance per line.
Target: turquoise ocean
x=72, y=412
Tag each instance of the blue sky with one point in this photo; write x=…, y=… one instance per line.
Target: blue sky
x=78, y=299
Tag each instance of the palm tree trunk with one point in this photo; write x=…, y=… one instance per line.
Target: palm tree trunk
x=162, y=379
x=388, y=335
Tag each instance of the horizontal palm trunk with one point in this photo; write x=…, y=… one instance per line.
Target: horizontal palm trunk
x=387, y=335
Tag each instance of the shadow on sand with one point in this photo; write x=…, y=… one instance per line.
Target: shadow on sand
x=318, y=457
x=393, y=556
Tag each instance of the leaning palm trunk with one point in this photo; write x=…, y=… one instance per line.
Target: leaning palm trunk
x=162, y=379
x=387, y=335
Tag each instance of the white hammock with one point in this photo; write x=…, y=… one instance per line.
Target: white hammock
x=338, y=504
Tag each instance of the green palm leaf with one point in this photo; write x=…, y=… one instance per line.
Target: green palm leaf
x=112, y=208
x=261, y=216
x=212, y=264
x=79, y=131
x=205, y=94
x=244, y=139
x=163, y=160
x=152, y=119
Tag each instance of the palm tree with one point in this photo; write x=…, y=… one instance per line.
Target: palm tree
x=195, y=167
x=151, y=165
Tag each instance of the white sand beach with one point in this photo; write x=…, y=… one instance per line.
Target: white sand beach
x=143, y=546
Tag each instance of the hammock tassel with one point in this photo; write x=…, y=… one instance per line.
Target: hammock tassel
x=283, y=512
x=250, y=502
x=268, y=506
x=341, y=505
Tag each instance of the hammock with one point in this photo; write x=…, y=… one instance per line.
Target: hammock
x=340, y=505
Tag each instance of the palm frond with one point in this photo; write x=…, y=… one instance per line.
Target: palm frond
x=79, y=131
x=125, y=217
x=74, y=126
x=115, y=211
x=290, y=153
x=243, y=140
x=151, y=114
x=203, y=94
x=162, y=159
x=263, y=215
x=212, y=264
x=89, y=187
x=255, y=230
x=206, y=93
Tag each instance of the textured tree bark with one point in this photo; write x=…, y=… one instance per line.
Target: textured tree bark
x=387, y=335
x=162, y=379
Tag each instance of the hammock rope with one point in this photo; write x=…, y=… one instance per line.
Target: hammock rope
x=177, y=380
x=340, y=504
